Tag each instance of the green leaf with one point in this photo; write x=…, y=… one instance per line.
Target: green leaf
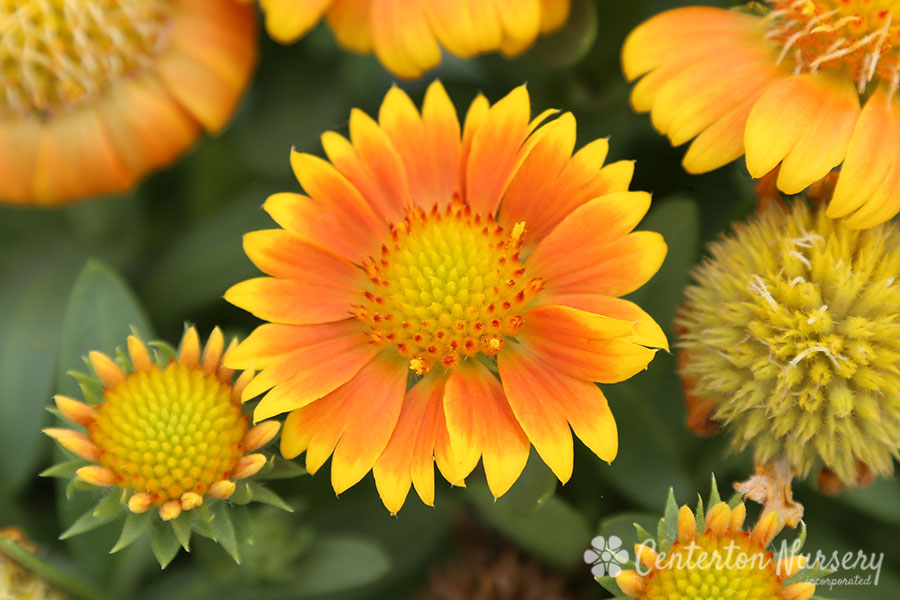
x=242, y=494
x=34, y=281
x=339, y=563
x=558, y=533
x=700, y=515
x=264, y=495
x=164, y=544
x=535, y=486
x=135, y=526
x=223, y=529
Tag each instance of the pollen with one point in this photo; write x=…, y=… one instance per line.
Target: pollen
x=55, y=54
x=860, y=36
x=169, y=432
x=449, y=286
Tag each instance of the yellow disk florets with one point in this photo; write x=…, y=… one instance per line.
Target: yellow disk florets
x=173, y=433
x=56, y=53
x=448, y=286
x=793, y=329
x=859, y=36
x=719, y=560
x=169, y=431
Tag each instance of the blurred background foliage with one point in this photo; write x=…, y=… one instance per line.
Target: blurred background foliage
x=78, y=278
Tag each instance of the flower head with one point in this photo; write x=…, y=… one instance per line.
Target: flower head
x=774, y=82
x=791, y=332
x=167, y=431
x=15, y=581
x=407, y=36
x=482, y=265
x=713, y=556
x=97, y=93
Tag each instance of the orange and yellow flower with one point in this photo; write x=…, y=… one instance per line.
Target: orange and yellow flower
x=781, y=82
x=481, y=264
x=407, y=35
x=169, y=432
x=97, y=93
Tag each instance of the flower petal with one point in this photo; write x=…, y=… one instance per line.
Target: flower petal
x=534, y=400
x=320, y=299
x=868, y=178
x=340, y=201
x=409, y=454
x=646, y=331
x=496, y=151
x=289, y=20
x=584, y=345
x=402, y=37
x=478, y=415
x=351, y=23
x=789, y=123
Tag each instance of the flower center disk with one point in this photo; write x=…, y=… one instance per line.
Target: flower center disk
x=58, y=53
x=448, y=286
x=715, y=568
x=861, y=36
x=169, y=431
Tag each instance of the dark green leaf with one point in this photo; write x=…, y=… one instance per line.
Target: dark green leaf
x=223, y=528
x=558, y=533
x=339, y=563
x=535, y=486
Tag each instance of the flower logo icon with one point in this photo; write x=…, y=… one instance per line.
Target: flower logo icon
x=606, y=556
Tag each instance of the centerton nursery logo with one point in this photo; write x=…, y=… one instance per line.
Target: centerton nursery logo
x=606, y=555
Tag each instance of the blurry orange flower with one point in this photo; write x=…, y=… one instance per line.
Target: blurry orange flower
x=781, y=82
x=97, y=93
x=481, y=264
x=407, y=35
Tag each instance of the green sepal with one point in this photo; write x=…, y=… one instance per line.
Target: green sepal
x=182, y=527
x=800, y=540
x=735, y=499
x=223, y=529
x=87, y=522
x=112, y=504
x=92, y=392
x=279, y=468
x=165, y=352
x=714, y=497
x=55, y=412
x=264, y=495
x=64, y=470
x=77, y=485
x=134, y=527
x=808, y=574
x=202, y=519
x=164, y=544
x=642, y=534
x=609, y=584
x=123, y=360
x=700, y=513
x=668, y=525
x=242, y=494
x=240, y=519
